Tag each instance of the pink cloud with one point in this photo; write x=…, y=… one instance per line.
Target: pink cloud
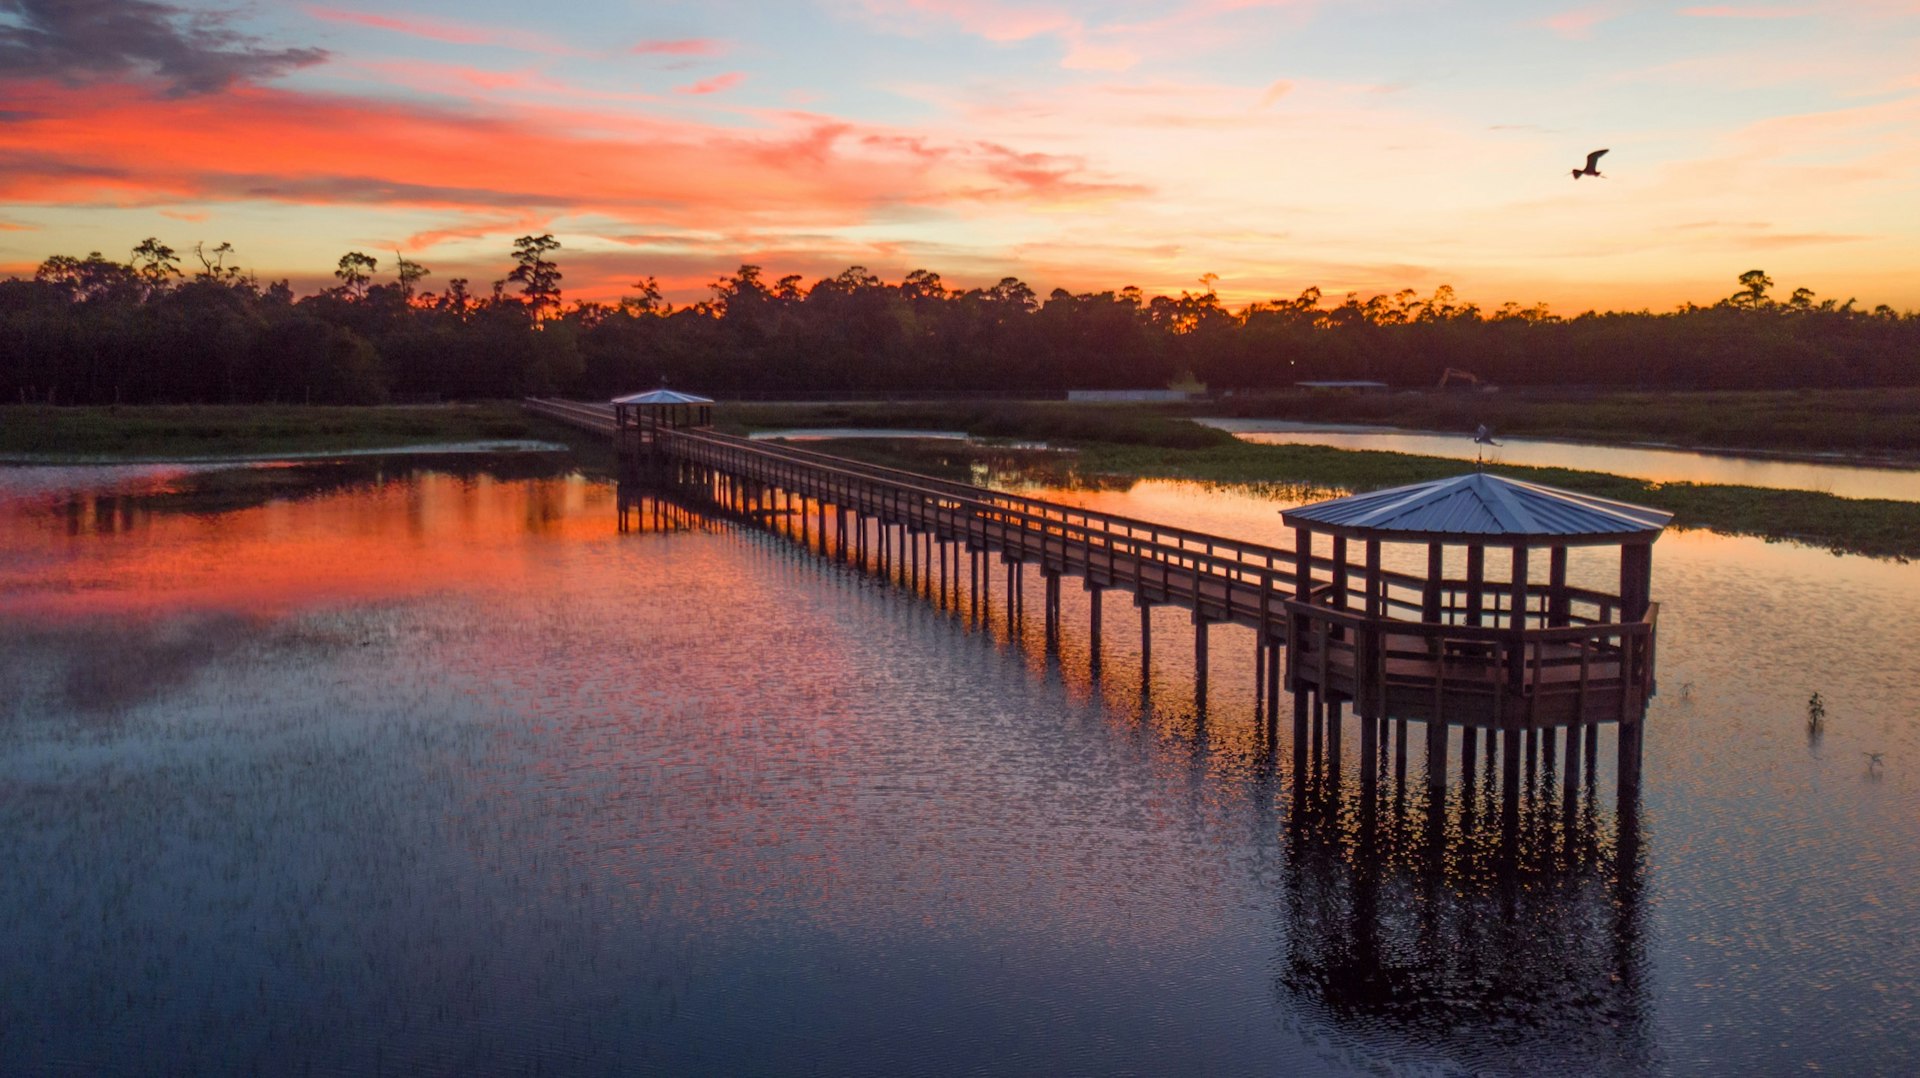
x=687, y=46
x=713, y=85
x=1579, y=22
x=1728, y=11
x=442, y=30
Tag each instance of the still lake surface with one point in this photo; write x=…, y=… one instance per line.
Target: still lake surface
x=1639, y=462
x=428, y=766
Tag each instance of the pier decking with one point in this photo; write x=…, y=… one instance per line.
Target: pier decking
x=1515, y=657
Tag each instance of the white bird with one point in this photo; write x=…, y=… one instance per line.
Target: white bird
x=1592, y=169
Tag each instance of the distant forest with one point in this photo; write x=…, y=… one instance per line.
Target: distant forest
x=95, y=331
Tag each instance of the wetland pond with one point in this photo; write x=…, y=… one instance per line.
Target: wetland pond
x=439, y=766
x=1658, y=464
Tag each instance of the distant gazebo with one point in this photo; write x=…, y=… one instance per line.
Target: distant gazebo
x=661, y=409
x=1513, y=655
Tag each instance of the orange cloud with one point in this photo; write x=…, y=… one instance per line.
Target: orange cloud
x=105, y=144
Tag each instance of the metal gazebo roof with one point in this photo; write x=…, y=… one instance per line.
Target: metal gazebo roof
x=1480, y=508
x=661, y=397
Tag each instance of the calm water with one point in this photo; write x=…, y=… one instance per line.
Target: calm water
x=1658, y=465
x=382, y=765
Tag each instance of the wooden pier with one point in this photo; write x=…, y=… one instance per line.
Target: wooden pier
x=1517, y=659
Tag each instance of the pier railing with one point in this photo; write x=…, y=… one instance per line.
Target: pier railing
x=1534, y=676
x=1392, y=643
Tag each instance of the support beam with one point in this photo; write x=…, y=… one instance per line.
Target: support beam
x=1094, y=593
x=1636, y=580
x=1510, y=782
x=1436, y=756
x=1476, y=582
x=1200, y=624
x=1146, y=642
x=1430, y=590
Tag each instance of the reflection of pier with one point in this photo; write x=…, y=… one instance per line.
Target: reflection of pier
x=1430, y=919
x=1527, y=664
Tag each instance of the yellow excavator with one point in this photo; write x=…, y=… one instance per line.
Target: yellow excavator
x=1462, y=379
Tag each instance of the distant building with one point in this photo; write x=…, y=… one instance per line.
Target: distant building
x=1343, y=387
x=1110, y=396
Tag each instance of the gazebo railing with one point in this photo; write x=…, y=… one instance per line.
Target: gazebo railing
x=1537, y=675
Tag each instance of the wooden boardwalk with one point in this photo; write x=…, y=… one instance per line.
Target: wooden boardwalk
x=1561, y=660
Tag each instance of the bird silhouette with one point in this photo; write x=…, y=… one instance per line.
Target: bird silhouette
x=1592, y=169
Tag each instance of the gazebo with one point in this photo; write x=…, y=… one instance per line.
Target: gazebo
x=639, y=417
x=1515, y=654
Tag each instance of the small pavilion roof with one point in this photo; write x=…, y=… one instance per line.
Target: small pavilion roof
x=1481, y=508
x=661, y=397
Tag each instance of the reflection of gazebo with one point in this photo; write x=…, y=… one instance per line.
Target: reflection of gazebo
x=1512, y=654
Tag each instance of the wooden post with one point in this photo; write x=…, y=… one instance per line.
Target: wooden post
x=1517, y=621
x=1053, y=605
x=1146, y=641
x=1014, y=590
x=1570, y=787
x=1199, y=660
x=1333, y=743
x=1400, y=754
x=1636, y=580
x=1436, y=755
x=1476, y=581
x=1273, y=691
x=1094, y=592
x=1369, y=758
x=1627, y=784
x=1559, y=607
x=1259, y=676
x=1300, y=710
x=1510, y=782
x=1340, y=572
x=1430, y=593
x=1469, y=751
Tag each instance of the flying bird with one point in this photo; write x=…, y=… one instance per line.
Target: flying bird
x=1592, y=169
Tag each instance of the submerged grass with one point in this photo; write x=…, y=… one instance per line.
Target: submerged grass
x=257, y=429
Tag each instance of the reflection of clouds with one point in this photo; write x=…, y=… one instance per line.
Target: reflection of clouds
x=269, y=538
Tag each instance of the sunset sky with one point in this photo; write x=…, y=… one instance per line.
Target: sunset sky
x=1360, y=146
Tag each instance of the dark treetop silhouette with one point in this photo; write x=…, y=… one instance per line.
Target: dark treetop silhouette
x=94, y=330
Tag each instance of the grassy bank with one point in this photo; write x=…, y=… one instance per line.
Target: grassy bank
x=257, y=430
x=1150, y=443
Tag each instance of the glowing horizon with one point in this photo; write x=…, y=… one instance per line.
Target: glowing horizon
x=1278, y=144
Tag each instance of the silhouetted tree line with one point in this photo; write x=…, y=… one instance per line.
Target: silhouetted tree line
x=93, y=330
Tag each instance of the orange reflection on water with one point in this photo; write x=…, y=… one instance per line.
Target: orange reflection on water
x=127, y=553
